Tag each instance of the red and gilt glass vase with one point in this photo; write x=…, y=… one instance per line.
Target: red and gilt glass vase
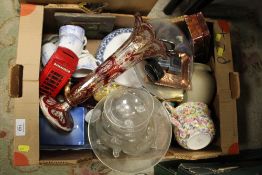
x=141, y=44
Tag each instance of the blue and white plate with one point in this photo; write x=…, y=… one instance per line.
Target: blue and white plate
x=108, y=46
x=112, y=42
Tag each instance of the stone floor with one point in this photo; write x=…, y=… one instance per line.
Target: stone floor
x=247, y=44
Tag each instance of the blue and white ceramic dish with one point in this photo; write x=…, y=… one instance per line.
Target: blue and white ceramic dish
x=108, y=46
x=112, y=42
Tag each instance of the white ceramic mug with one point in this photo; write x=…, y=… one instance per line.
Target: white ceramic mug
x=86, y=64
x=193, y=127
x=47, y=51
x=73, y=43
x=77, y=31
x=73, y=38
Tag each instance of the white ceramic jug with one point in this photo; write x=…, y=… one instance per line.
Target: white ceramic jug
x=203, y=85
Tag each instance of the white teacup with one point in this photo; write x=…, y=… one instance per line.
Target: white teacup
x=73, y=38
x=47, y=51
x=86, y=64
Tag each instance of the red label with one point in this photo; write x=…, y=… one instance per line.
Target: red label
x=20, y=159
x=224, y=25
x=27, y=9
x=233, y=149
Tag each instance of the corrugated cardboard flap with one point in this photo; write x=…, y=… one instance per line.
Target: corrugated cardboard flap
x=20, y=79
x=30, y=93
x=29, y=113
x=228, y=88
x=29, y=40
x=24, y=84
x=130, y=6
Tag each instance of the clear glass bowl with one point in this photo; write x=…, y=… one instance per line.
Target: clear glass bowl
x=129, y=130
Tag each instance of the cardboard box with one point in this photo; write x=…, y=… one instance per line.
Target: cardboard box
x=127, y=6
x=24, y=85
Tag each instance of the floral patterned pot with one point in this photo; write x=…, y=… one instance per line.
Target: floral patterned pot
x=194, y=129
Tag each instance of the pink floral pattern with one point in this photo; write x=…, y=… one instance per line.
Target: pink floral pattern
x=190, y=118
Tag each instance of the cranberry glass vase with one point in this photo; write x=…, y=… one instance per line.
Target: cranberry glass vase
x=141, y=44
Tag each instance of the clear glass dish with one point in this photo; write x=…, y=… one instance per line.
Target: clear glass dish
x=129, y=130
